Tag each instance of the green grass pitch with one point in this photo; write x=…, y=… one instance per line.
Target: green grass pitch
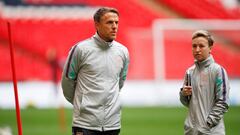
x=135, y=121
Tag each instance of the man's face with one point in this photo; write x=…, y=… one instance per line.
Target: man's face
x=108, y=26
x=200, y=48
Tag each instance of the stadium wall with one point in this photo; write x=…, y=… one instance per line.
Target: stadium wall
x=134, y=93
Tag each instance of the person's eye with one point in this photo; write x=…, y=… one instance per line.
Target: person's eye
x=202, y=46
x=110, y=22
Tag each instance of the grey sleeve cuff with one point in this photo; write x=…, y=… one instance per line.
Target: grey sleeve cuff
x=184, y=99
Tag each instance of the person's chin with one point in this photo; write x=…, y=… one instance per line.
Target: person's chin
x=112, y=37
x=199, y=59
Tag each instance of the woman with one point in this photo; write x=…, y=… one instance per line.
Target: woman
x=205, y=90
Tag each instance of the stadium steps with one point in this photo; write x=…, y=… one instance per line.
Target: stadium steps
x=159, y=8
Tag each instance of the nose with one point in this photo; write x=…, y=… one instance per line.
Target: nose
x=114, y=25
x=197, y=48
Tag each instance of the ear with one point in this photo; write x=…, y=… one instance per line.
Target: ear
x=210, y=47
x=96, y=24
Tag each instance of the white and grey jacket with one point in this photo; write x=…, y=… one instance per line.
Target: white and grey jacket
x=209, y=100
x=93, y=75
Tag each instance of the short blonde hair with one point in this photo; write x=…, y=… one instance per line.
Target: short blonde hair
x=205, y=34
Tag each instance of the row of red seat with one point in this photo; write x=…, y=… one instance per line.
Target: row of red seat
x=32, y=49
x=38, y=36
x=203, y=9
x=28, y=67
x=206, y=9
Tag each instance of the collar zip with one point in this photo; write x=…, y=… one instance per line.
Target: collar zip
x=205, y=63
x=101, y=42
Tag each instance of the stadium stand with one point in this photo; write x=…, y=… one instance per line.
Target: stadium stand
x=205, y=9
x=38, y=26
x=36, y=35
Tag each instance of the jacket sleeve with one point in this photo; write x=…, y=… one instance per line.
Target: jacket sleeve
x=184, y=99
x=222, y=98
x=123, y=73
x=69, y=75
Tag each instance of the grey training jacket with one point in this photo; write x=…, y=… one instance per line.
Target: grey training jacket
x=93, y=75
x=209, y=100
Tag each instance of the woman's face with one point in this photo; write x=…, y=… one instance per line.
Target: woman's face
x=200, y=48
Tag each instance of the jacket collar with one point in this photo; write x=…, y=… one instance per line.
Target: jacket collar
x=101, y=42
x=205, y=63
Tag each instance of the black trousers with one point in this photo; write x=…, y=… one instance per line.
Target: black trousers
x=82, y=131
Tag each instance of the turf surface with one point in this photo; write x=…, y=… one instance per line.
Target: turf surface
x=135, y=121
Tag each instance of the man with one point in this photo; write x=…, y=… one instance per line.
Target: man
x=205, y=91
x=94, y=73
